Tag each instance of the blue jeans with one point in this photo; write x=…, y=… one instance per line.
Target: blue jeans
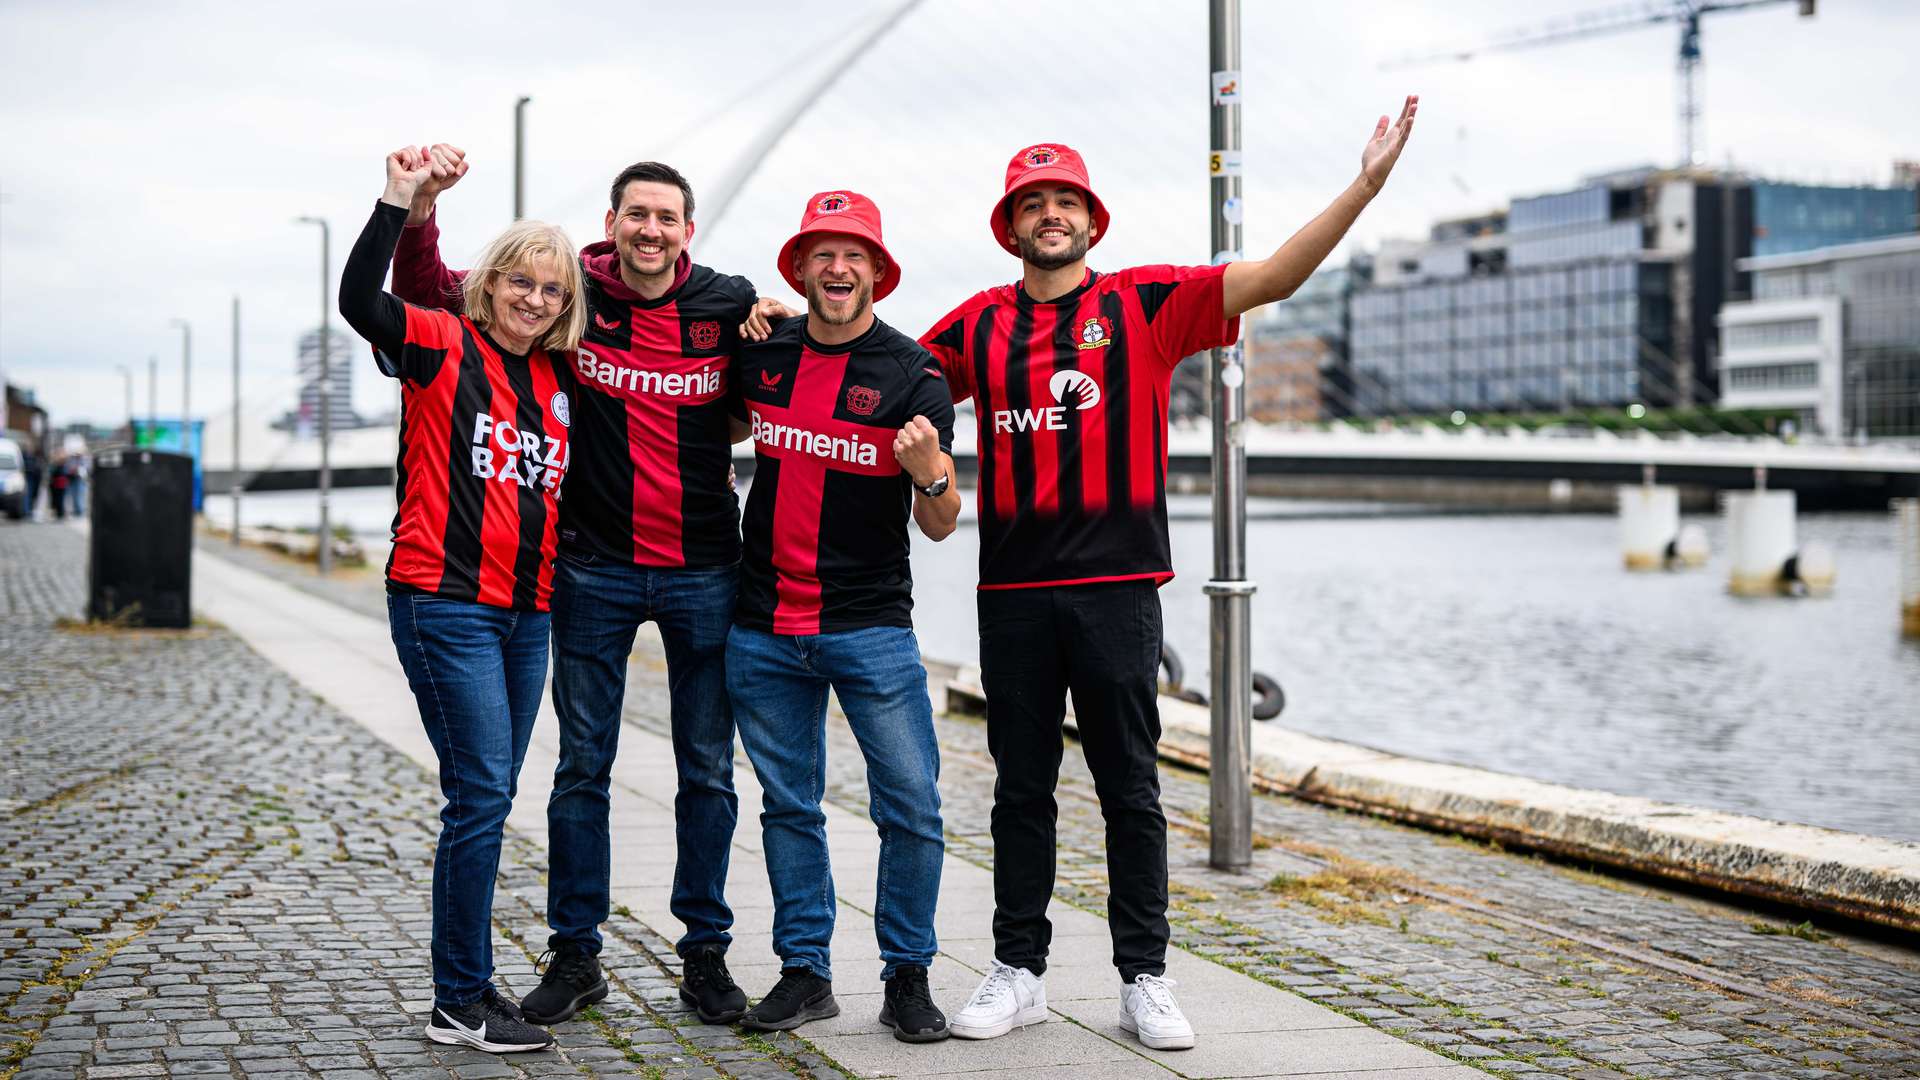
x=597, y=607
x=476, y=673
x=779, y=686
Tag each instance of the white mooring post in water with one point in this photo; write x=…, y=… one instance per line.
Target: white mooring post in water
x=1906, y=513
x=1767, y=557
x=1649, y=523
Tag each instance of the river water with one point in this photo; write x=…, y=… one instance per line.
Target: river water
x=1518, y=643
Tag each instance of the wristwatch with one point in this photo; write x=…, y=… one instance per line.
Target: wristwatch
x=935, y=489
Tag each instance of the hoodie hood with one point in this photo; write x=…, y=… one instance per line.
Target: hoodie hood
x=602, y=263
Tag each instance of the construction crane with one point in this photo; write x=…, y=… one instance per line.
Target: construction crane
x=1586, y=24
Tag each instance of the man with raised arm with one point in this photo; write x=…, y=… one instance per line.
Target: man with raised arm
x=1069, y=370
x=649, y=530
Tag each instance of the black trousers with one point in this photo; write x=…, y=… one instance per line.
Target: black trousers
x=1101, y=643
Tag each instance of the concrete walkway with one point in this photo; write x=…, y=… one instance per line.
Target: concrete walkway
x=1246, y=1028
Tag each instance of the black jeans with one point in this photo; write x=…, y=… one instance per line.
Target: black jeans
x=1101, y=643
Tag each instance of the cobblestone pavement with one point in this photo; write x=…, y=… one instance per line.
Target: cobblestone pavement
x=1519, y=965
x=206, y=871
x=1330, y=911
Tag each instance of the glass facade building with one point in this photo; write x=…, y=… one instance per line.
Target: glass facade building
x=1796, y=217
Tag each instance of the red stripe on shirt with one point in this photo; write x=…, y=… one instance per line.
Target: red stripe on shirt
x=545, y=386
x=1041, y=357
x=654, y=440
x=797, y=501
x=500, y=506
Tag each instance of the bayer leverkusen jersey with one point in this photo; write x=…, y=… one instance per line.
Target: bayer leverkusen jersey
x=1071, y=396
x=825, y=528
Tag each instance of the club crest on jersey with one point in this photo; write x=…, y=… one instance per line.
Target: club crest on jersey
x=862, y=400
x=833, y=203
x=1041, y=155
x=562, y=409
x=704, y=334
x=1096, y=333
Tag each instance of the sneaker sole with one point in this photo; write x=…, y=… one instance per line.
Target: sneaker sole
x=460, y=1038
x=712, y=1018
x=1036, y=1014
x=819, y=1010
x=914, y=1036
x=591, y=996
x=1155, y=1042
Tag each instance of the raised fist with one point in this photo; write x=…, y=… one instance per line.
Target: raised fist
x=447, y=163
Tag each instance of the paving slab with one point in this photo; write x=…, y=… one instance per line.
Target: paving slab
x=346, y=658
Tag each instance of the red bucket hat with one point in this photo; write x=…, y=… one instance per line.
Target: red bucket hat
x=841, y=213
x=1037, y=163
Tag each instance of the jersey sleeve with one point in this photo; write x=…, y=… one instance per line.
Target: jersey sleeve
x=1184, y=311
x=947, y=344
x=932, y=399
x=431, y=337
x=419, y=277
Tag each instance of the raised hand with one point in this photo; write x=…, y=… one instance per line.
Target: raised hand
x=449, y=164
x=917, y=449
x=1377, y=160
x=407, y=168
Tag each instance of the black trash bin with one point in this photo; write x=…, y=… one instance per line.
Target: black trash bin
x=141, y=558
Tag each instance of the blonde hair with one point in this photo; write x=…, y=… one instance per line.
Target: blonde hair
x=522, y=241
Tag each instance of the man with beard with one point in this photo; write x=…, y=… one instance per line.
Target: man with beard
x=852, y=426
x=1070, y=372
x=649, y=529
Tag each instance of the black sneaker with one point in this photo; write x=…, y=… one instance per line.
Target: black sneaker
x=709, y=988
x=798, y=997
x=570, y=981
x=493, y=1024
x=909, y=1008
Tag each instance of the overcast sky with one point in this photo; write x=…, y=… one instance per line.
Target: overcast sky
x=154, y=155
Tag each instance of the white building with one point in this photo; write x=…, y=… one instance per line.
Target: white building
x=1784, y=354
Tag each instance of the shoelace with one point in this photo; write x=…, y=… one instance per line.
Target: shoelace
x=572, y=965
x=711, y=969
x=787, y=988
x=1158, y=996
x=998, y=984
x=494, y=1004
x=914, y=991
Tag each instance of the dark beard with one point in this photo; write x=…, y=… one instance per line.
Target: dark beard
x=817, y=302
x=1076, y=250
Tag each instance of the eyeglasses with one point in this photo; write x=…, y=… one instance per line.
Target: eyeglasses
x=522, y=285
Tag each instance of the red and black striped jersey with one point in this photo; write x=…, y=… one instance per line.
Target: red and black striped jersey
x=651, y=485
x=1071, y=397
x=826, y=520
x=484, y=445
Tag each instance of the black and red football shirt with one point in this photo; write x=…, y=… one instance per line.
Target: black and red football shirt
x=825, y=527
x=484, y=446
x=651, y=485
x=1071, y=396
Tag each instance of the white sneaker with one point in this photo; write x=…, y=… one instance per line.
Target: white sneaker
x=1148, y=1011
x=1007, y=996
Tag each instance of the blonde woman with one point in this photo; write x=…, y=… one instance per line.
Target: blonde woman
x=486, y=402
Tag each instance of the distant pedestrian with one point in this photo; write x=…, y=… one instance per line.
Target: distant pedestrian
x=1070, y=370
x=471, y=573
x=77, y=485
x=57, y=482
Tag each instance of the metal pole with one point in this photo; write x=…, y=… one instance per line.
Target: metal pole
x=233, y=481
x=1230, y=594
x=520, y=157
x=326, y=402
x=126, y=374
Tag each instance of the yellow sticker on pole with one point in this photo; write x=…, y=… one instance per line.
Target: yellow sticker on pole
x=1224, y=163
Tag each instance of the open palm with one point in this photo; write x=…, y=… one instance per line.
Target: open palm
x=1376, y=161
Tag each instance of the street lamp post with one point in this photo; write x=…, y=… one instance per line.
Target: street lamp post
x=126, y=373
x=186, y=385
x=153, y=395
x=520, y=157
x=325, y=553
x=1229, y=593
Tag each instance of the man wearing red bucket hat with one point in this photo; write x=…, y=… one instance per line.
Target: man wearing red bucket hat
x=1070, y=372
x=852, y=426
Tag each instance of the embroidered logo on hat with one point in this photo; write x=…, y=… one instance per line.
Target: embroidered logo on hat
x=833, y=203
x=1041, y=155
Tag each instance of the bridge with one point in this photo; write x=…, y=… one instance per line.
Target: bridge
x=1825, y=474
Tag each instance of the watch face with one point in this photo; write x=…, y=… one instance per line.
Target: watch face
x=937, y=488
